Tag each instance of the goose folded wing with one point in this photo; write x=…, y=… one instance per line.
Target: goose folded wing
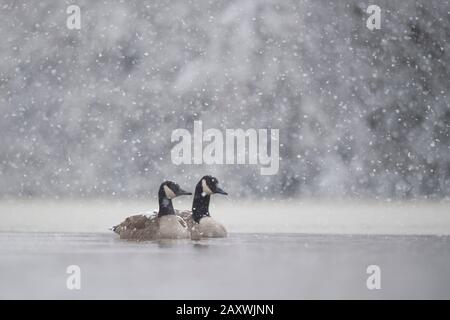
x=186, y=215
x=135, y=222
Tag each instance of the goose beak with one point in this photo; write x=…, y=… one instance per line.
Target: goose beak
x=218, y=190
x=182, y=192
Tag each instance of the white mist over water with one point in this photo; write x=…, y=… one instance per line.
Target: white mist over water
x=308, y=216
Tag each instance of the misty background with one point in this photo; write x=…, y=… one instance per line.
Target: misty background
x=90, y=112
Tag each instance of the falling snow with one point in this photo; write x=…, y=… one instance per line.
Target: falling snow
x=90, y=112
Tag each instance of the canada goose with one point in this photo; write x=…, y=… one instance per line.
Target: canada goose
x=164, y=224
x=199, y=221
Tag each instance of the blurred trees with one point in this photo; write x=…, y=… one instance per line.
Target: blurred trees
x=360, y=112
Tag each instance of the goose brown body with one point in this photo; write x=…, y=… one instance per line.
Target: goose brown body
x=207, y=227
x=144, y=227
x=164, y=224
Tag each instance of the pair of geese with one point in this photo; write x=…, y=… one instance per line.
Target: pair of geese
x=169, y=223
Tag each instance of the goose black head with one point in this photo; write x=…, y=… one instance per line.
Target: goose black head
x=167, y=191
x=170, y=190
x=207, y=186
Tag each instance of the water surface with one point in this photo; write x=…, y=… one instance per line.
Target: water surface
x=245, y=265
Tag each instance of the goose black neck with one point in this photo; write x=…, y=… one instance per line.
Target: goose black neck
x=165, y=207
x=200, y=206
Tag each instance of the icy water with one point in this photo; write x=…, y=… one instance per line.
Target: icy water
x=274, y=251
x=254, y=266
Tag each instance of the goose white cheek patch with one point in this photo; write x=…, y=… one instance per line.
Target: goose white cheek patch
x=169, y=193
x=206, y=189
